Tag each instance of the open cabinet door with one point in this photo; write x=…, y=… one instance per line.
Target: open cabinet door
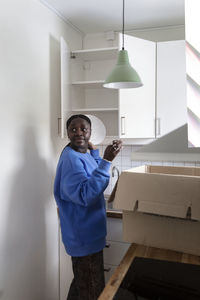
x=192, y=23
x=65, y=85
x=171, y=87
x=137, y=105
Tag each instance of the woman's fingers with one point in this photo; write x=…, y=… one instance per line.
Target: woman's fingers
x=116, y=144
x=112, y=150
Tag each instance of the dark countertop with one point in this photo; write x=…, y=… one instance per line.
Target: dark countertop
x=114, y=213
x=142, y=251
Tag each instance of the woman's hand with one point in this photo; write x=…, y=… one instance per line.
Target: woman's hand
x=111, y=151
x=91, y=146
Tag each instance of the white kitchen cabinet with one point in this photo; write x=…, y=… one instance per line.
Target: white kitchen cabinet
x=161, y=103
x=147, y=112
x=137, y=105
x=171, y=108
x=88, y=69
x=114, y=252
x=65, y=85
x=114, y=229
x=116, y=247
x=83, y=91
x=108, y=271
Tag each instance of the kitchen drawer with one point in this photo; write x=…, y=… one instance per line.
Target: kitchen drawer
x=108, y=271
x=115, y=252
x=114, y=229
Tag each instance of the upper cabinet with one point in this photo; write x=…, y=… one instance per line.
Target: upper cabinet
x=171, y=106
x=88, y=69
x=150, y=111
x=137, y=105
x=65, y=85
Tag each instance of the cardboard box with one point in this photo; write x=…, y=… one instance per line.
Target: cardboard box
x=161, y=207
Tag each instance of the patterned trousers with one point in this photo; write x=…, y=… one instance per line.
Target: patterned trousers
x=88, y=281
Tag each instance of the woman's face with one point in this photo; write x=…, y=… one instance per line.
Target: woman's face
x=79, y=133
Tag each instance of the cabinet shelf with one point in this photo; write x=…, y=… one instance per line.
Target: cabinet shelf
x=95, y=109
x=92, y=84
x=96, y=54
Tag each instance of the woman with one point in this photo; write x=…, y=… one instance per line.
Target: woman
x=80, y=181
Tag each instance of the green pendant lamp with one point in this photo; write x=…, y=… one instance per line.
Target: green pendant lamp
x=123, y=76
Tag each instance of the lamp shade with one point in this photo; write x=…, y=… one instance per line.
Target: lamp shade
x=123, y=76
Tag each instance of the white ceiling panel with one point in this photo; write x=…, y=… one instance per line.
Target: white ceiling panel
x=91, y=16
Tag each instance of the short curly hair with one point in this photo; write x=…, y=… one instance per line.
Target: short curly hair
x=76, y=117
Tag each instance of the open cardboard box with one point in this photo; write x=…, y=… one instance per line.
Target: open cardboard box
x=161, y=207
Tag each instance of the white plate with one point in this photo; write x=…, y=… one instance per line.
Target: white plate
x=98, y=130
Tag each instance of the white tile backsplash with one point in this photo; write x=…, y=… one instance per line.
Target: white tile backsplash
x=136, y=163
x=135, y=148
x=146, y=162
x=117, y=161
x=123, y=162
x=126, y=151
x=178, y=164
x=168, y=163
x=189, y=164
x=156, y=163
x=126, y=161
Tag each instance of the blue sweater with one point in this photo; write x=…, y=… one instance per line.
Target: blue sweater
x=80, y=181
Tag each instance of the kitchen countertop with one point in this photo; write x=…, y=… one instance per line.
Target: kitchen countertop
x=114, y=213
x=136, y=250
x=110, y=212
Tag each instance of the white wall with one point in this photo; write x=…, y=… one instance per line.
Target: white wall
x=29, y=108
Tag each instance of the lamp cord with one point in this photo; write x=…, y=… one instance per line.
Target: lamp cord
x=123, y=28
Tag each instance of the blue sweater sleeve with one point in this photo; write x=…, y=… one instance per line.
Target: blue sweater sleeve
x=95, y=155
x=77, y=186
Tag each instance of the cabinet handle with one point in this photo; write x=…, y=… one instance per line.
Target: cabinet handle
x=107, y=269
x=122, y=125
x=157, y=126
x=107, y=246
x=59, y=126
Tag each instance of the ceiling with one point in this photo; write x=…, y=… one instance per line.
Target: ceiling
x=91, y=16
